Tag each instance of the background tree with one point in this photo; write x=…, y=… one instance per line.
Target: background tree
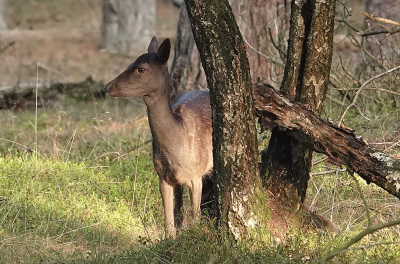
x=127, y=25
x=265, y=38
x=382, y=50
x=264, y=25
x=186, y=72
x=3, y=24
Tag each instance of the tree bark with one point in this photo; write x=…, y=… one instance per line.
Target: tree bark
x=3, y=24
x=341, y=144
x=127, y=25
x=286, y=162
x=234, y=132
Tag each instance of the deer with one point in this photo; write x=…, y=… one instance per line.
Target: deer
x=181, y=131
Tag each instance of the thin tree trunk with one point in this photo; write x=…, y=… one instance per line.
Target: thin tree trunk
x=3, y=24
x=127, y=25
x=234, y=132
x=186, y=72
x=287, y=161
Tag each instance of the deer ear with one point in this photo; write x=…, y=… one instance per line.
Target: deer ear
x=164, y=50
x=153, y=46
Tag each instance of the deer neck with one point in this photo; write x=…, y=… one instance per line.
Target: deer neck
x=165, y=128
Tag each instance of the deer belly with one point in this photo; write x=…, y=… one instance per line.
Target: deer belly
x=181, y=172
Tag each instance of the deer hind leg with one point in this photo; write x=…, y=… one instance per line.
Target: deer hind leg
x=178, y=208
x=167, y=195
x=195, y=190
x=207, y=196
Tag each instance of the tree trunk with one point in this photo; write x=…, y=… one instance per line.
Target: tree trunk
x=226, y=66
x=3, y=24
x=264, y=25
x=287, y=161
x=186, y=72
x=127, y=25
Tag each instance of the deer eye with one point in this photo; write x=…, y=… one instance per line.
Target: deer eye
x=141, y=70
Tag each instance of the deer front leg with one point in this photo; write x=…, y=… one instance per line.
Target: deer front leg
x=195, y=197
x=167, y=194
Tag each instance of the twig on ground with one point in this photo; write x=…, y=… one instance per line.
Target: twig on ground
x=357, y=238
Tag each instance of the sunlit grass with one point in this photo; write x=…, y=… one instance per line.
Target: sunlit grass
x=91, y=195
x=48, y=199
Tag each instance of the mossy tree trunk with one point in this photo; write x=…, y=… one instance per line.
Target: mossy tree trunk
x=287, y=161
x=235, y=151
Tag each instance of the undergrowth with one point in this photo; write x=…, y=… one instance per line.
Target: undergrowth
x=87, y=192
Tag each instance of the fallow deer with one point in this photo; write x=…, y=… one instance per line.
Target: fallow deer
x=182, y=145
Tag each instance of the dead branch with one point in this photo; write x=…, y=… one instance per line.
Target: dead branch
x=24, y=95
x=346, y=246
x=5, y=46
x=385, y=30
x=381, y=19
x=369, y=89
x=338, y=143
x=377, y=32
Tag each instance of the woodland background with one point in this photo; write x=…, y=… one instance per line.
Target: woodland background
x=76, y=177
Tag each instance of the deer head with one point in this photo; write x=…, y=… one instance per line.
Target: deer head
x=146, y=75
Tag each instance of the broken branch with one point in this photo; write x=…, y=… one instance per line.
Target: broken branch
x=324, y=137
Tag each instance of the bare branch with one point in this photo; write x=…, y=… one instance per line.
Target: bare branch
x=355, y=97
x=384, y=31
x=369, y=89
x=347, y=24
x=381, y=19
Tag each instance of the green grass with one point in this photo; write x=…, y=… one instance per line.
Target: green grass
x=48, y=203
x=89, y=194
